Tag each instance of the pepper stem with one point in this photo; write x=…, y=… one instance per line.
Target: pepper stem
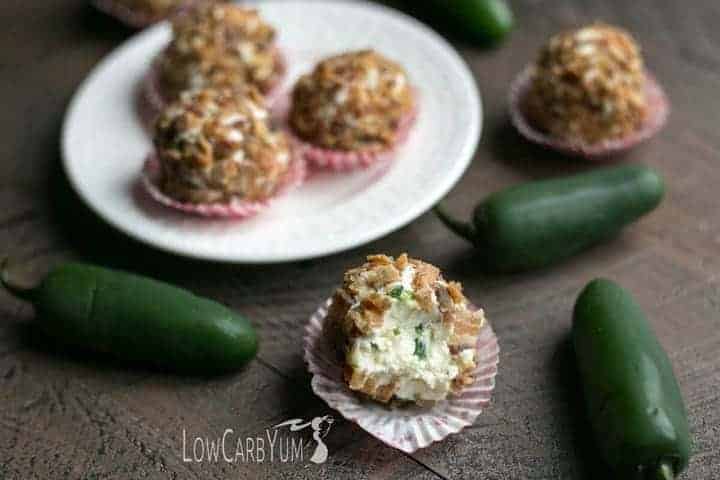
x=663, y=471
x=12, y=286
x=464, y=229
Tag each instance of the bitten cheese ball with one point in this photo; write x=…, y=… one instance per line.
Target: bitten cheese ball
x=219, y=45
x=404, y=332
x=588, y=85
x=217, y=146
x=356, y=101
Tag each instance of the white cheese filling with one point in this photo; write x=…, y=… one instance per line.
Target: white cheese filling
x=410, y=348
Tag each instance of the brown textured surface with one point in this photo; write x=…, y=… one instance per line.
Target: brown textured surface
x=81, y=417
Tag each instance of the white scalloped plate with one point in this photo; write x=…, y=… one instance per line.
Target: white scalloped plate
x=104, y=143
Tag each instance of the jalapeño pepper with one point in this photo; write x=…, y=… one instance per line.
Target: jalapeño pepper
x=139, y=319
x=631, y=394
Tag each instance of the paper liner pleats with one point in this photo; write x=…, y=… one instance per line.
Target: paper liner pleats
x=340, y=160
x=657, y=114
x=236, y=208
x=407, y=428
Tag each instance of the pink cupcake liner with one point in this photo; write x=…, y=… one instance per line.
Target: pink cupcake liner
x=126, y=15
x=154, y=100
x=658, y=112
x=340, y=160
x=407, y=428
x=235, y=208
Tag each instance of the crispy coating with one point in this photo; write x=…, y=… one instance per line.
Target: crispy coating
x=352, y=102
x=358, y=308
x=216, y=145
x=588, y=85
x=220, y=45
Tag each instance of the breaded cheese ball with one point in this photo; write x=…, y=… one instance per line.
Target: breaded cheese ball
x=404, y=332
x=588, y=85
x=220, y=45
x=217, y=146
x=356, y=101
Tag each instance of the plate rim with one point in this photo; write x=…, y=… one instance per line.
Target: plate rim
x=419, y=208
